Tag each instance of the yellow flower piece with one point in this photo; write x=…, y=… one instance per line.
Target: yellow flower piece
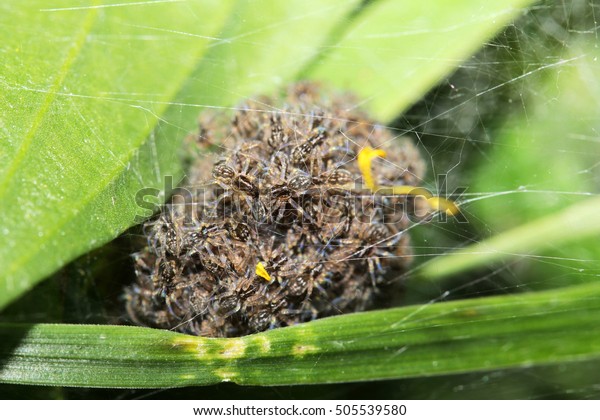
x=365, y=156
x=261, y=271
x=441, y=204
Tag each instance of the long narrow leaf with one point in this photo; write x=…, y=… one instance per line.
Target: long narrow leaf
x=462, y=336
x=579, y=221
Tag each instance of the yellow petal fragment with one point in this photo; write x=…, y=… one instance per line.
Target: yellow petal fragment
x=261, y=271
x=365, y=156
x=441, y=204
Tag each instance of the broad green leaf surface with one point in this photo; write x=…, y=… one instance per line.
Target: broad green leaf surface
x=71, y=121
x=462, y=336
x=394, y=51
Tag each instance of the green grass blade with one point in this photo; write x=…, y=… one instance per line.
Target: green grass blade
x=394, y=52
x=462, y=336
x=577, y=222
x=73, y=144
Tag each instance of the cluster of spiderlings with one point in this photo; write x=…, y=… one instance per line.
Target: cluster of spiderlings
x=281, y=231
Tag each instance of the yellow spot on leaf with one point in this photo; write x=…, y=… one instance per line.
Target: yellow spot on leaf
x=190, y=344
x=303, y=349
x=264, y=343
x=226, y=375
x=261, y=271
x=233, y=348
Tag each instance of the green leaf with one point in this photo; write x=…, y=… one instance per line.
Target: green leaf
x=462, y=336
x=74, y=115
x=394, y=52
x=579, y=221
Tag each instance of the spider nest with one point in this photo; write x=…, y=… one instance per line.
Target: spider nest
x=283, y=230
